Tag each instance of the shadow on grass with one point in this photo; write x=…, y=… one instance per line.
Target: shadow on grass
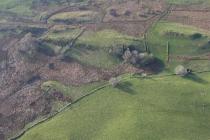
x=126, y=87
x=156, y=66
x=195, y=78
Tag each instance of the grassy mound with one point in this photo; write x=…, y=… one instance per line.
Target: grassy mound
x=135, y=110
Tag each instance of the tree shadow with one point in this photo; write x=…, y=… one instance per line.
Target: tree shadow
x=126, y=87
x=195, y=78
x=156, y=66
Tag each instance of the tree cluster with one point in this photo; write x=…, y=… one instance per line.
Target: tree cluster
x=136, y=58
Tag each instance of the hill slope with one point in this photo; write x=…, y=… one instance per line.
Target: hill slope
x=170, y=108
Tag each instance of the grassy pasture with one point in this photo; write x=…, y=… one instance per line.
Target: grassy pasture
x=75, y=92
x=107, y=38
x=90, y=45
x=135, y=110
x=181, y=44
x=93, y=48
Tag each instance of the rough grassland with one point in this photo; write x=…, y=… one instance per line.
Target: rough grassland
x=20, y=7
x=167, y=108
x=69, y=15
x=188, y=1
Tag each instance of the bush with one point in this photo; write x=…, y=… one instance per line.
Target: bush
x=127, y=55
x=138, y=59
x=181, y=70
x=114, y=81
x=127, y=13
x=196, y=36
x=113, y=12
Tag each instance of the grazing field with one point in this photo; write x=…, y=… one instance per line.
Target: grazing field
x=105, y=45
x=183, y=40
x=107, y=38
x=150, y=109
x=74, y=92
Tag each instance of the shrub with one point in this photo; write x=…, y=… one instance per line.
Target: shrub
x=138, y=59
x=181, y=70
x=127, y=55
x=127, y=13
x=113, y=12
x=196, y=36
x=114, y=81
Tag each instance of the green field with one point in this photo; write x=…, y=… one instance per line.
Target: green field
x=92, y=45
x=161, y=108
x=180, y=41
x=75, y=92
x=180, y=44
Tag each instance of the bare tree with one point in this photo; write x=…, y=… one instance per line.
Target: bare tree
x=127, y=55
x=114, y=81
x=181, y=70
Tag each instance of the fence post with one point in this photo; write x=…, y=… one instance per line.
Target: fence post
x=168, y=52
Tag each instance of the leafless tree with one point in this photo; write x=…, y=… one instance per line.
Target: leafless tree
x=181, y=70
x=114, y=81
